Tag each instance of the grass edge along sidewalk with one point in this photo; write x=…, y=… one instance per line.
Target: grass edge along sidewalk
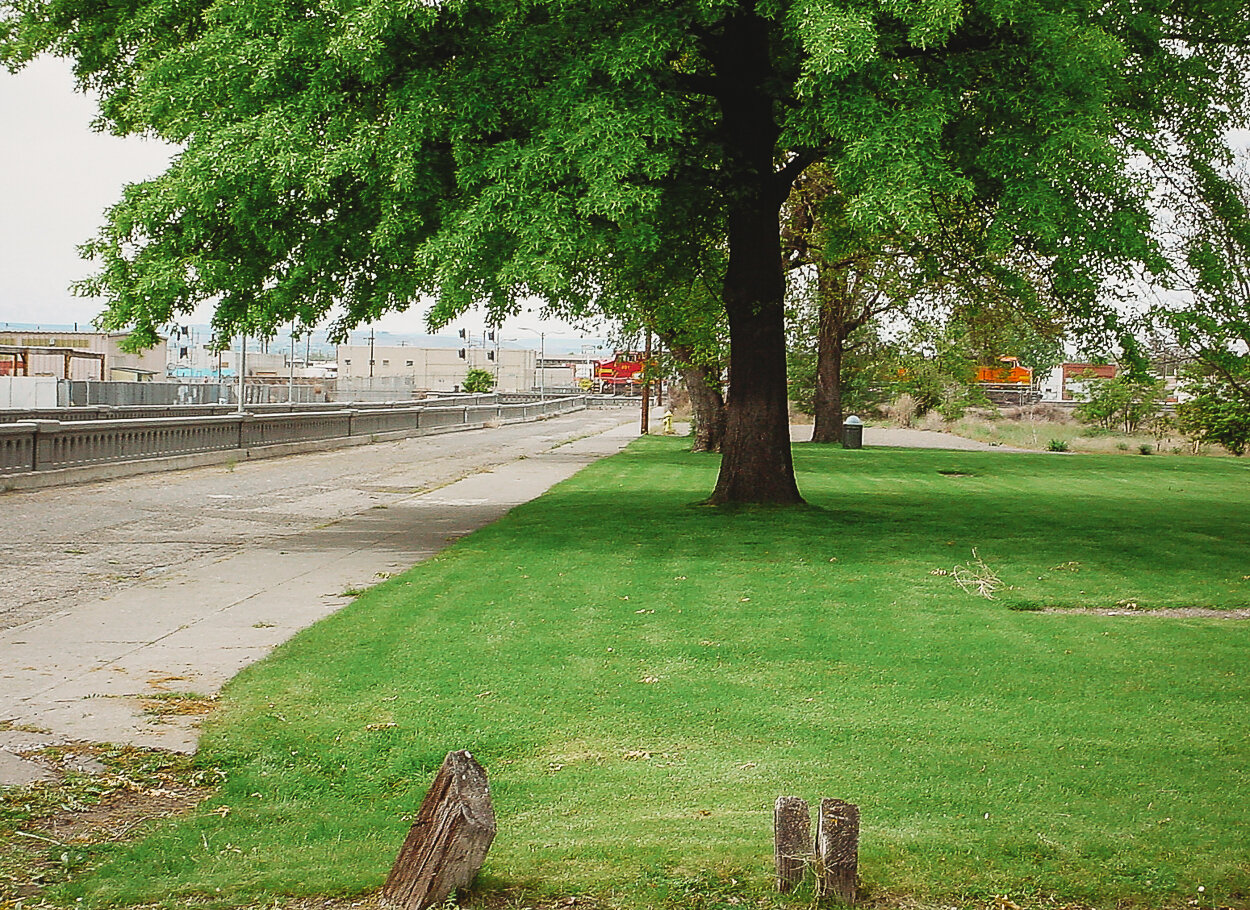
x=642, y=676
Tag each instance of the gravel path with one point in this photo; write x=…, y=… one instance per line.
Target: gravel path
x=896, y=437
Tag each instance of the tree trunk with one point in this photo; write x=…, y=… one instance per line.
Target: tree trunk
x=831, y=344
x=706, y=401
x=756, y=466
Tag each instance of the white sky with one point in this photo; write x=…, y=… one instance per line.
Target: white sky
x=58, y=176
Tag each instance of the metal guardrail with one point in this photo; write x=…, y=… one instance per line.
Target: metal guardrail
x=48, y=445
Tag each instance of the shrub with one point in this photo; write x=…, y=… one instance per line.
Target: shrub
x=1125, y=400
x=1215, y=414
x=479, y=380
x=1146, y=449
x=1057, y=445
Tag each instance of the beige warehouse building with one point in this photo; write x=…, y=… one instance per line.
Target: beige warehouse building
x=439, y=369
x=110, y=361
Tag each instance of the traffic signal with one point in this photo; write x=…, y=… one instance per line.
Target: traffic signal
x=462, y=353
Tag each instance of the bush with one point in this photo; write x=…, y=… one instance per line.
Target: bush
x=1146, y=449
x=479, y=380
x=1216, y=415
x=1123, y=401
x=1056, y=445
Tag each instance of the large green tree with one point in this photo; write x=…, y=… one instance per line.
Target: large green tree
x=1207, y=235
x=351, y=156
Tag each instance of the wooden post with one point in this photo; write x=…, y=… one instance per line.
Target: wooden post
x=837, y=850
x=447, y=843
x=792, y=829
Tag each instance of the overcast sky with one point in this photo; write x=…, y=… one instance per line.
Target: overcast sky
x=59, y=176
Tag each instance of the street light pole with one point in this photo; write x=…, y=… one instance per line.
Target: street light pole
x=290, y=389
x=242, y=368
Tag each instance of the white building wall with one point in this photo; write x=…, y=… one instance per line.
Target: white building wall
x=28, y=392
x=439, y=369
x=118, y=364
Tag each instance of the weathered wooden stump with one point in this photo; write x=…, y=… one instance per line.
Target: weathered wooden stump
x=447, y=843
x=837, y=850
x=792, y=842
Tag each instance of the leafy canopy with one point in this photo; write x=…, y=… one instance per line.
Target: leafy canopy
x=347, y=157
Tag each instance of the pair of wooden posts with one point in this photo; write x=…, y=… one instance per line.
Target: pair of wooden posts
x=455, y=826
x=836, y=856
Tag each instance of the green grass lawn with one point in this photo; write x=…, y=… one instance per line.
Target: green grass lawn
x=643, y=676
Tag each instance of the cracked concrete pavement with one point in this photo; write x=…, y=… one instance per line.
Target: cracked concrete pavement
x=124, y=590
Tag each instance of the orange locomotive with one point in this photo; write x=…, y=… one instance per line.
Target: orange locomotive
x=1010, y=374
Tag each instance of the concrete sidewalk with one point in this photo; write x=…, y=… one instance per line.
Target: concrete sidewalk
x=84, y=674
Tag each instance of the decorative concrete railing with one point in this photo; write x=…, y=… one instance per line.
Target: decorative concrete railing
x=48, y=445
x=145, y=411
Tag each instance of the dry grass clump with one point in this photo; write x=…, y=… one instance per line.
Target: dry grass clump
x=1042, y=426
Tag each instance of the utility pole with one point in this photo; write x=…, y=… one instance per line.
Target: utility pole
x=646, y=386
x=371, y=353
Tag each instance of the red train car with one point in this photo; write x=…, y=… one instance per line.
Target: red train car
x=624, y=369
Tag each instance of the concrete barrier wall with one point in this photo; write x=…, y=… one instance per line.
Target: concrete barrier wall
x=28, y=391
x=138, y=412
x=33, y=446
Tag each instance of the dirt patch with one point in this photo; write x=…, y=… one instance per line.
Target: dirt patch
x=98, y=794
x=119, y=813
x=177, y=704
x=1172, y=612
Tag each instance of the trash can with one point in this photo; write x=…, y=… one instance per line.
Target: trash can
x=852, y=433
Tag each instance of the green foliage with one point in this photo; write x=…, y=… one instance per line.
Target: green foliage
x=1125, y=401
x=997, y=325
x=1056, y=445
x=1216, y=414
x=366, y=155
x=640, y=699
x=478, y=380
x=1210, y=207
x=940, y=379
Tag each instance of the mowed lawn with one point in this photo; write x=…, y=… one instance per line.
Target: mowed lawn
x=642, y=677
